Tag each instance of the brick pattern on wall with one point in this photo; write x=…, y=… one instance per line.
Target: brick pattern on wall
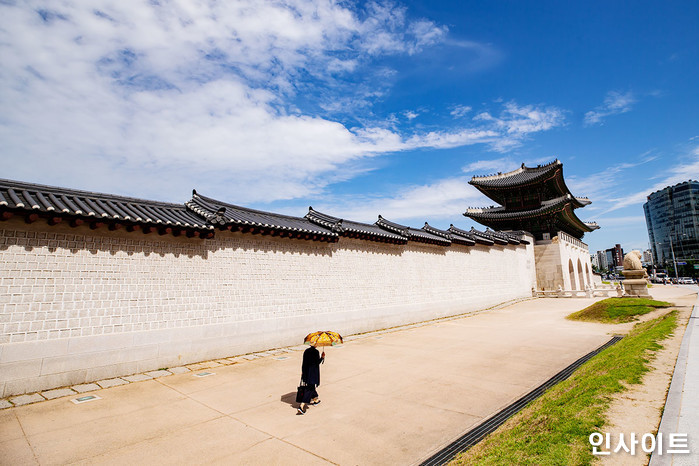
x=62, y=284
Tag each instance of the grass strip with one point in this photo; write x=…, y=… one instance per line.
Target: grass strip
x=555, y=428
x=617, y=310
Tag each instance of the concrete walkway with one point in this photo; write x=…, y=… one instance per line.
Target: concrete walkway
x=681, y=413
x=392, y=398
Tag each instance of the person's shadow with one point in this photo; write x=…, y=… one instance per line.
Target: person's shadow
x=290, y=399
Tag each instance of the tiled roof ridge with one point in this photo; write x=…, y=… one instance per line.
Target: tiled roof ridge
x=230, y=216
x=522, y=168
x=436, y=231
x=503, y=235
x=245, y=209
x=325, y=220
x=97, y=209
x=351, y=228
x=392, y=226
x=79, y=192
x=201, y=213
x=544, y=204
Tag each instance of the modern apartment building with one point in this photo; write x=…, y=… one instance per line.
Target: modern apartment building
x=672, y=219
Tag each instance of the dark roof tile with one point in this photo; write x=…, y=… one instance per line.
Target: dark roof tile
x=522, y=175
x=412, y=234
x=351, y=228
x=73, y=203
x=223, y=214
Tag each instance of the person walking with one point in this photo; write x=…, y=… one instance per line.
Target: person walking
x=310, y=376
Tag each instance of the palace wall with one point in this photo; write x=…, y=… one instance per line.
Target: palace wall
x=80, y=305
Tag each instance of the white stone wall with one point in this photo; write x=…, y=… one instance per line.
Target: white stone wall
x=565, y=262
x=80, y=305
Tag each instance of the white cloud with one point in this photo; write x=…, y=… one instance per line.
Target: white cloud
x=459, y=111
x=503, y=165
x=601, y=186
x=679, y=173
x=614, y=104
x=516, y=123
x=150, y=99
x=484, y=167
x=444, y=199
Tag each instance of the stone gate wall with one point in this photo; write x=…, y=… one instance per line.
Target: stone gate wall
x=81, y=305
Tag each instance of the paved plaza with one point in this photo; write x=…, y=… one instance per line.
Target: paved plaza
x=387, y=398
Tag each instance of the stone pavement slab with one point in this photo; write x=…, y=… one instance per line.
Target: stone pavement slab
x=387, y=400
x=57, y=393
x=158, y=373
x=22, y=400
x=111, y=382
x=137, y=377
x=86, y=387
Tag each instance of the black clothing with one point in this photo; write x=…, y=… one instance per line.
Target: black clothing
x=310, y=368
x=309, y=394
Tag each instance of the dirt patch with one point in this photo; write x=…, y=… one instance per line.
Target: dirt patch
x=639, y=409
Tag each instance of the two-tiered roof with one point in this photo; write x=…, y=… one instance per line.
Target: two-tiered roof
x=533, y=199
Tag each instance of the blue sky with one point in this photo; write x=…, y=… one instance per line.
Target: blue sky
x=356, y=108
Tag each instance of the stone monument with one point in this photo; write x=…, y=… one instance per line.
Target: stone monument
x=635, y=283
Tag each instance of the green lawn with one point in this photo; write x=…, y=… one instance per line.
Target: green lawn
x=555, y=428
x=617, y=310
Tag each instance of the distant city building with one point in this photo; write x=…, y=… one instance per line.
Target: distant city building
x=602, y=260
x=609, y=257
x=614, y=257
x=618, y=253
x=648, y=256
x=673, y=223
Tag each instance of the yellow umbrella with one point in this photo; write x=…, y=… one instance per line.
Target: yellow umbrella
x=326, y=338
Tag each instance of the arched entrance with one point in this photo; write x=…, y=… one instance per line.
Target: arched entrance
x=571, y=272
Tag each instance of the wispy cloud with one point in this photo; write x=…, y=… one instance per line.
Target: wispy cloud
x=516, y=122
x=602, y=185
x=614, y=104
x=442, y=200
x=460, y=111
x=686, y=169
x=503, y=164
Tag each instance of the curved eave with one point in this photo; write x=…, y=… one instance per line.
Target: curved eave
x=575, y=221
x=425, y=237
x=352, y=229
x=500, y=213
x=236, y=218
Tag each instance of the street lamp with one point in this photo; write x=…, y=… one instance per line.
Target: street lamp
x=672, y=250
x=677, y=278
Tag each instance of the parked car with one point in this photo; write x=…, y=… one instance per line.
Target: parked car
x=685, y=281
